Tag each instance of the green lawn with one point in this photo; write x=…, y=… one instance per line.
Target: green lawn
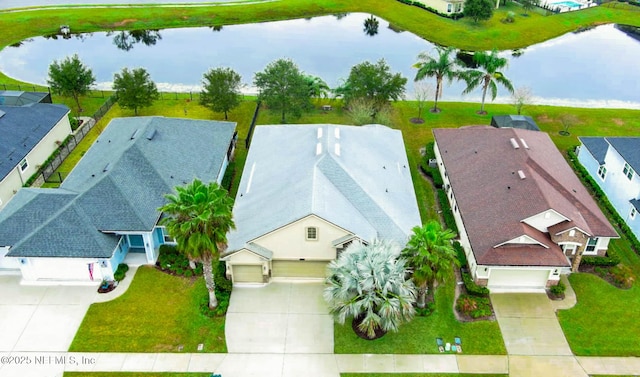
x=419, y=375
x=158, y=313
x=525, y=31
x=135, y=374
x=418, y=336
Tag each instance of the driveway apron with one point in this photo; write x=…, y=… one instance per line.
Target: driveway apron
x=281, y=317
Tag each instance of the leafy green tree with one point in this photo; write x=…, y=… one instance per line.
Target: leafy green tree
x=374, y=82
x=126, y=40
x=487, y=75
x=443, y=66
x=431, y=256
x=283, y=88
x=528, y=5
x=199, y=218
x=70, y=78
x=134, y=89
x=368, y=284
x=221, y=90
x=478, y=10
x=318, y=88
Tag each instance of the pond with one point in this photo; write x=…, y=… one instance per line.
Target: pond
x=593, y=68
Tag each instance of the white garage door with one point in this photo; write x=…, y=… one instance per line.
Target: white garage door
x=298, y=269
x=247, y=273
x=515, y=278
x=63, y=269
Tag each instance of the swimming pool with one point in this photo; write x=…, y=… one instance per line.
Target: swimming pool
x=570, y=4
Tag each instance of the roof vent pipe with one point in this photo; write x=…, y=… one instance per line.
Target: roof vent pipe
x=318, y=149
x=319, y=133
x=521, y=174
x=524, y=143
x=337, y=149
x=336, y=132
x=514, y=143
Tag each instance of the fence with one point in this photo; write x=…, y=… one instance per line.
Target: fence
x=39, y=88
x=49, y=173
x=247, y=142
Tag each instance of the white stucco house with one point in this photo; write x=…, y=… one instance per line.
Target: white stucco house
x=29, y=134
x=445, y=6
x=614, y=163
x=308, y=191
x=523, y=216
x=107, y=208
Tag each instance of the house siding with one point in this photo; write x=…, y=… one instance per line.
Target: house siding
x=442, y=5
x=618, y=188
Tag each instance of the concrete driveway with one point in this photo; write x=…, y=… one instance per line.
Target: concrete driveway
x=40, y=318
x=529, y=325
x=280, y=317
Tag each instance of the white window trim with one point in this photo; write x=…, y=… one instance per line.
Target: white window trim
x=23, y=162
x=628, y=171
x=632, y=214
x=602, y=172
x=306, y=233
x=595, y=247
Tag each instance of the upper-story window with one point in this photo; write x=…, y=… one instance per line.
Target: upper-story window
x=632, y=214
x=628, y=171
x=312, y=233
x=449, y=8
x=24, y=165
x=602, y=172
x=591, y=245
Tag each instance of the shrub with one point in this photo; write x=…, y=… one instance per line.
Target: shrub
x=558, y=289
x=622, y=276
x=223, y=284
x=462, y=257
x=473, y=288
x=121, y=271
x=170, y=259
x=74, y=123
x=449, y=220
x=229, y=175
x=220, y=310
x=510, y=18
x=474, y=306
x=427, y=310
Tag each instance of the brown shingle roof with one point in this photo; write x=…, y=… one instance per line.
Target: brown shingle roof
x=485, y=172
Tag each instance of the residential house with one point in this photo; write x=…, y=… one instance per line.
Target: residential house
x=29, y=135
x=523, y=216
x=614, y=163
x=308, y=191
x=107, y=207
x=445, y=6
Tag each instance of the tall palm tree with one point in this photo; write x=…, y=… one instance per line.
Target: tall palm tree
x=431, y=255
x=443, y=66
x=487, y=75
x=371, y=25
x=199, y=218
x=368, y=283
x=318, y=88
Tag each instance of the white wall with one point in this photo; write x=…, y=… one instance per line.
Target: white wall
x=60, y=271
x=544, y=220
x=442, y=5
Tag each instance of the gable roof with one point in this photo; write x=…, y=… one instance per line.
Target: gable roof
x=485, y=171
x=597, y=146
x=22, y=128
x=117, y=186
x=627, y=147
x=356, y=178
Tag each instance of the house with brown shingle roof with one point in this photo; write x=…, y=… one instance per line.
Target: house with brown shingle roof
x=523, y=216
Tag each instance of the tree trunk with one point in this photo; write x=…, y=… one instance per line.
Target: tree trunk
x=484, y=95
x=282, y=120
x=438, y=88
x=192, y=264
x=225, y=115
x=210, y=283
x=431, y=291
x=75, y=97
x=422, y=296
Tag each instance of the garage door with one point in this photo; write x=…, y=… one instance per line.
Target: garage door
x=247, y=273
x=64, y=269
x=299, y=269
x=518, y=278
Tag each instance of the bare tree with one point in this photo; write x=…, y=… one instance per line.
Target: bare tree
x=567, y=121
x=422, y=93
x=521, y=97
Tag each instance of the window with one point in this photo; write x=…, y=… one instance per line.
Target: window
x=591, y=245
x=449, y=8
x=628, y=171
x=312, y=233
x=459, y=7
x=602, y=172
x=24, y=164
x=632, y=214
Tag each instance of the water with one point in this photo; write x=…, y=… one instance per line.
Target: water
x=570, y=4
x=595, y=68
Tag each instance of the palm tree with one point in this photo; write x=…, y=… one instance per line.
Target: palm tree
x=487, y=75
x=445, y=65
x=367, y=283
x=199, y=218
x=431, y=255
x=371, y=26
x=317, y=87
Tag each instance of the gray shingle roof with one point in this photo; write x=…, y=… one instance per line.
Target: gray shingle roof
x=117, y=186
x=514, y=121
x=597, y=146
x=22, y=128
x=20, y=98
x=364, y=187
x=629, y=149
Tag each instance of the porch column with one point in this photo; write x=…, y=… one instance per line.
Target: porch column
x=575, y=264
x=149, y=247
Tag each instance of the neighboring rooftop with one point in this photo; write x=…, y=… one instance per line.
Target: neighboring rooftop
x=357, y=178
x=20, y=98
x=22, y=128
x=597, y=146
x=627, y=147
x=117, y=186
x=501, y=177
x=522, y=122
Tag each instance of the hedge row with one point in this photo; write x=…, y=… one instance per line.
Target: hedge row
x=453, y=16
x=473, y=288
x=121, y=271
x=449, y=220
x=608, y=207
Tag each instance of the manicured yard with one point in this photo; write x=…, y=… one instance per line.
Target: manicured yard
x=134, y=374
x=158, y=313
x=419, y=375
x=16, y=26
x=418, y=336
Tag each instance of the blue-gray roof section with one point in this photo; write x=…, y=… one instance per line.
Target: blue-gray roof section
x=597, y=146
x=22, y=128
x=628, y=148
x=635, y=203
x=117, y=186
x=356, y=178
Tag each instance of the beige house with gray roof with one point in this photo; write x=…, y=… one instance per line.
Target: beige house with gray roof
x=308, y=191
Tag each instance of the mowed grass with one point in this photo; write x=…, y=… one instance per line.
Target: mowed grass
x=419, y=335
x=158, y=313
x=420, y=375
x=464, y=33
x=135, y=374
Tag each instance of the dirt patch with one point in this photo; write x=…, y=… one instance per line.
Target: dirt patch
x=416, y=120
x=617, y=121
x=544, y=118
x=124, y=22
